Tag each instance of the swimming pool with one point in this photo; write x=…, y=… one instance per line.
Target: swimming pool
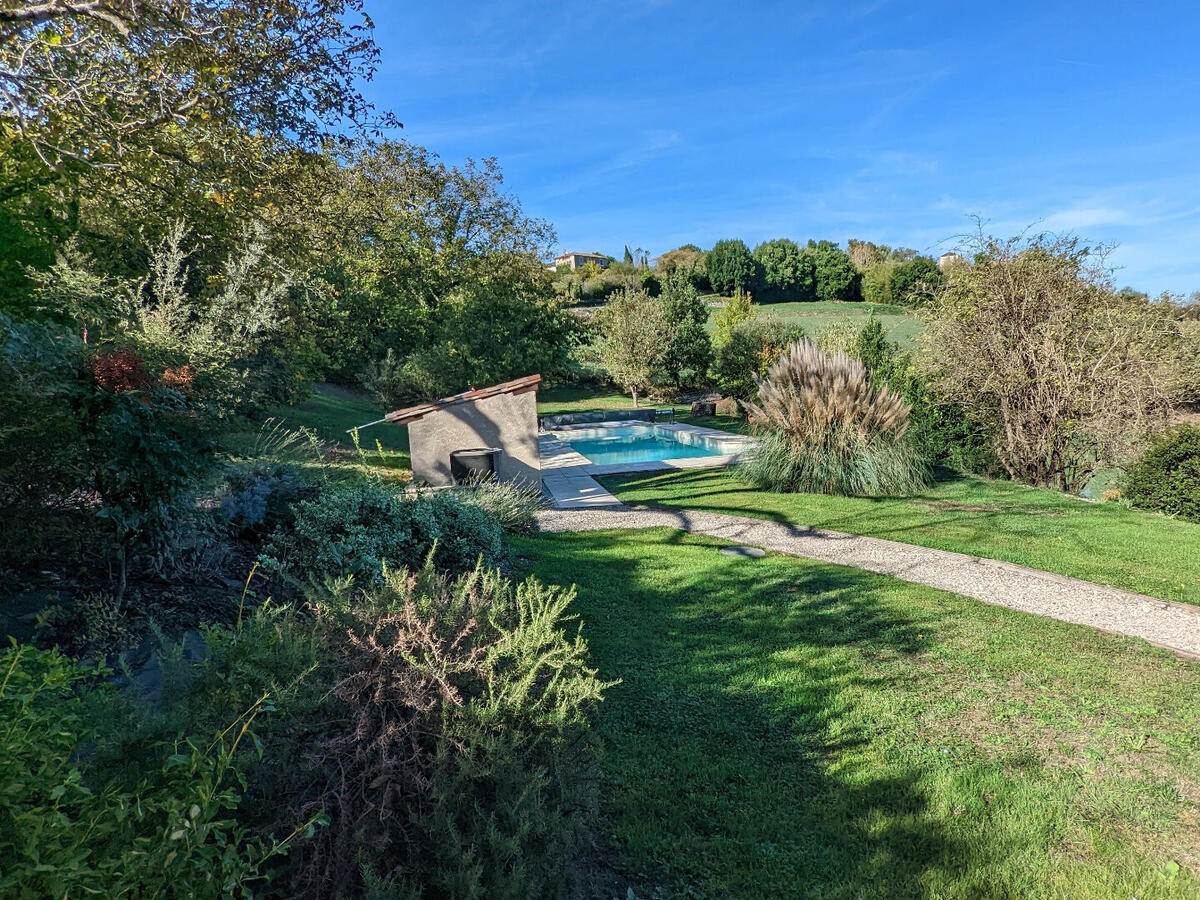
x=638, y=443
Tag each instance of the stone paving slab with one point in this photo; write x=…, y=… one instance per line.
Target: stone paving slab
x=1174, y=626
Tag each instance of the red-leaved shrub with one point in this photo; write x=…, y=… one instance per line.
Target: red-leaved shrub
x=119, y=371
x=180, y=378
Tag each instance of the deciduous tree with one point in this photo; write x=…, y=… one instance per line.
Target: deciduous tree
x=1032, y=336
x=96, y=81
x=634, y=335
x=916, y=282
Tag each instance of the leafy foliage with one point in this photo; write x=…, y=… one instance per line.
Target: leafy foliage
x=99, y=83
x=689, y=350
x=731, y=267
x=739, y=308
x=1166, y=477
x=361, y=528
x=788, y=273
x=168, y=834
x=145, y=449
x=635, y=332
x=513, y=504
x=916, y=282
x=753, y=346
x=1031, y=339
x=837, y=278
x=441, y=723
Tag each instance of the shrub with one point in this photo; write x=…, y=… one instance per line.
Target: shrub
x=166, y=833
x=824, y=428
x=260, y=497
x=943, y=432
x=145, y=449
x=731, y=267
x=388, y=380
x=453, y=760
x=512, y=504
x=1031, y=338
x=752, y=347
x=119, y=371
x=359, y=528
x=877, y=281
x=1166, y=477
x=42, y=459
x=916, y=282
x=738, y=309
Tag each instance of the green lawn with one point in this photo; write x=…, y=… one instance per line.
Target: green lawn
x=788, y=728
x=1101, y=542
x=331, y=411
x=899, y=323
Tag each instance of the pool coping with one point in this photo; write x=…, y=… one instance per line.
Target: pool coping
x=568, y=477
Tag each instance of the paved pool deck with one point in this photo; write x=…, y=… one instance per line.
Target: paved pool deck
x=569, y=477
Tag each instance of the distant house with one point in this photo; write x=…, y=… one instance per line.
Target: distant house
x=949, y=259
x=575, y=260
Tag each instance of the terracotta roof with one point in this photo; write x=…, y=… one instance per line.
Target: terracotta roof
x=412, y=413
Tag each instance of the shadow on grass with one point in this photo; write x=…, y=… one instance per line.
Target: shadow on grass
x=730, y=743
x=872, y=516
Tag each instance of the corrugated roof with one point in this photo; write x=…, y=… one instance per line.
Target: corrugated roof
x=412, y=413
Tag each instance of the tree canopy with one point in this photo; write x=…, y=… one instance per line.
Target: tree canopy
x=731, y=267
x=788, y=273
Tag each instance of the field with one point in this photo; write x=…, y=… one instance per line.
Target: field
x=788, y=728
x=900, y=324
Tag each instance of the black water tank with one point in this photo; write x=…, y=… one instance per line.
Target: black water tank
x=473, y=465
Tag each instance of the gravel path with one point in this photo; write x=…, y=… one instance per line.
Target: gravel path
x=1174, y=626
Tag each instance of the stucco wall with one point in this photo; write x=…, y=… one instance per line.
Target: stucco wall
x=507, y=421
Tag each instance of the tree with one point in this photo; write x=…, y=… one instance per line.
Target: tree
x=837, y=279
x=916, y=282
x=689, y=352
x=731, y=267
x=688, y=259
x=92, y=83
x=1032, y=338
x=788, y=273
x=877, y=281
x=628, y=257
x=740, y=308
x=634, y=335
x=404, y=233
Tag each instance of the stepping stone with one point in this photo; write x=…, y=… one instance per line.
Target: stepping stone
x=751, y=552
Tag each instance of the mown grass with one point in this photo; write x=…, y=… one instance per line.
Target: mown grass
x=898, y=322
x=1101, y=542
x=331, y=411
x=788, y=728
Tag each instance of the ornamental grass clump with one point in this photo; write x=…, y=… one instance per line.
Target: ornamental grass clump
x=824, y=428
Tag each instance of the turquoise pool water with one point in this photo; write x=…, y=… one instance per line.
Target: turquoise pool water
x=626, y=445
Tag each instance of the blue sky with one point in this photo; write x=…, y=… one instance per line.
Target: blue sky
x=659, y=123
